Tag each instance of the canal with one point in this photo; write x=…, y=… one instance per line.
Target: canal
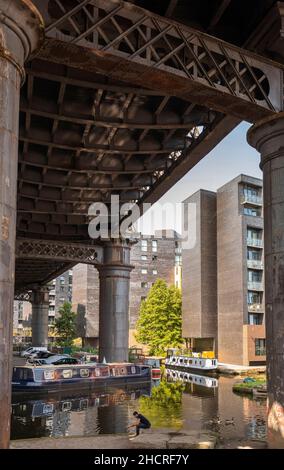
x=204, y=404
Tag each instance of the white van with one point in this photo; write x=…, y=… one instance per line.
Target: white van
x=32, y=350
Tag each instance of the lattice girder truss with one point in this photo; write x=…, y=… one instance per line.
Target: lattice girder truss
x=128, y=42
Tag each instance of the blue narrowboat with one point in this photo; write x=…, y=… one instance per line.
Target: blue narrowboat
x=80, y=376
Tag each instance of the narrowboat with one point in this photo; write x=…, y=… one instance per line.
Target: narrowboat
x=190, y=360
x=78, y=376
x=136, y=356
x=155, y=364
x=188, y=377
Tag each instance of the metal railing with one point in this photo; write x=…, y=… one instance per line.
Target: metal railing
x=254, y=285
x=251, y=199
x=254, y=264
x=255, y=242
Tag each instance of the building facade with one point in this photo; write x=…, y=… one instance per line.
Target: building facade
x=241, y=330
x=60, y=291
x=153, y=257
x=223, y=277
x=199, y=280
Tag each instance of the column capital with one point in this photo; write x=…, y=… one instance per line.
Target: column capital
x=21, y=31
x=266, y=136
x=116, y=255
x=40, y=295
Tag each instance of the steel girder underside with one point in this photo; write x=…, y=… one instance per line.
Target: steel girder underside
x=122, y=101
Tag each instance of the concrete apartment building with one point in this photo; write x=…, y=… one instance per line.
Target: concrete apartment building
x=199, y=280
x=223, y=277
x=153, y=257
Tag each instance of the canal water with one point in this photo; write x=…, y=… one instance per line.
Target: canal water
x=196, y=404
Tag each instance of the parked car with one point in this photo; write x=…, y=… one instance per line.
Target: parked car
x=39, y=355
x=56, y=360
x=32, y=349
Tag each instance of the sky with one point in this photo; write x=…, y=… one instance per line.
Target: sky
x=228, y=159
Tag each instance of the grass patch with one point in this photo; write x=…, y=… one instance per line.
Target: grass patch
x=247, y=387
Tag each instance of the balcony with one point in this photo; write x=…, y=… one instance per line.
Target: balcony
x=254, y=264
x=254, y=285
x=246, y=198
x=256, y=242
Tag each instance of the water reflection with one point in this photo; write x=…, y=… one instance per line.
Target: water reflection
x=177, y=402
x=195, y=379
x=209, y=404
x=99, y=412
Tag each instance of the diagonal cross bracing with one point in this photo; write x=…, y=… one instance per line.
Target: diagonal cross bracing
x=165, y=56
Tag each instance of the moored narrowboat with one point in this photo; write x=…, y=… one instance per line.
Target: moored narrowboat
x=190, y=360
x=136, y=356
x=59, y=377
x=155, y=364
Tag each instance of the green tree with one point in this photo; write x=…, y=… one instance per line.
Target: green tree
x=65, y=325
x=159, y=322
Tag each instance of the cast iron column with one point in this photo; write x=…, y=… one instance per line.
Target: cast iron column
x=114, y=302
x=21, y=30
x=267, y=136
x=40, y=306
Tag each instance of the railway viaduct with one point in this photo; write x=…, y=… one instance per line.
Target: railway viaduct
x=108, y=97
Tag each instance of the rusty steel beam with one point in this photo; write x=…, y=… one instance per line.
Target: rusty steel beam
x=190, y=158
x=169, y=57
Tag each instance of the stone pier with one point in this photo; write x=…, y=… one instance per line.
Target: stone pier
x=20, y=32
x=267, y=136
x=114, y=302
x=40, y=306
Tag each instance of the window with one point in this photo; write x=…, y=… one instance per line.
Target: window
x=254, y=297
x=254, y=233
x=144, y=271
x=260, y=347
x=144, y=246
x=155, y=271
x=144, y=284
x=143, y=258
x=254, y=255
x=255, y=318
x=252, y=193
x=154, y=245
x=254, y=276
x=253, y=211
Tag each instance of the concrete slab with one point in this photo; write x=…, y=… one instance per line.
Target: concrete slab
x=152, y=439
x=193, y=441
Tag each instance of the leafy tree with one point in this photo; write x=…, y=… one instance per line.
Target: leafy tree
x=159, y=322
x=65, y=325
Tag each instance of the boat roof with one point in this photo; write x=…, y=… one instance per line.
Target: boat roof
x=89, y=364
